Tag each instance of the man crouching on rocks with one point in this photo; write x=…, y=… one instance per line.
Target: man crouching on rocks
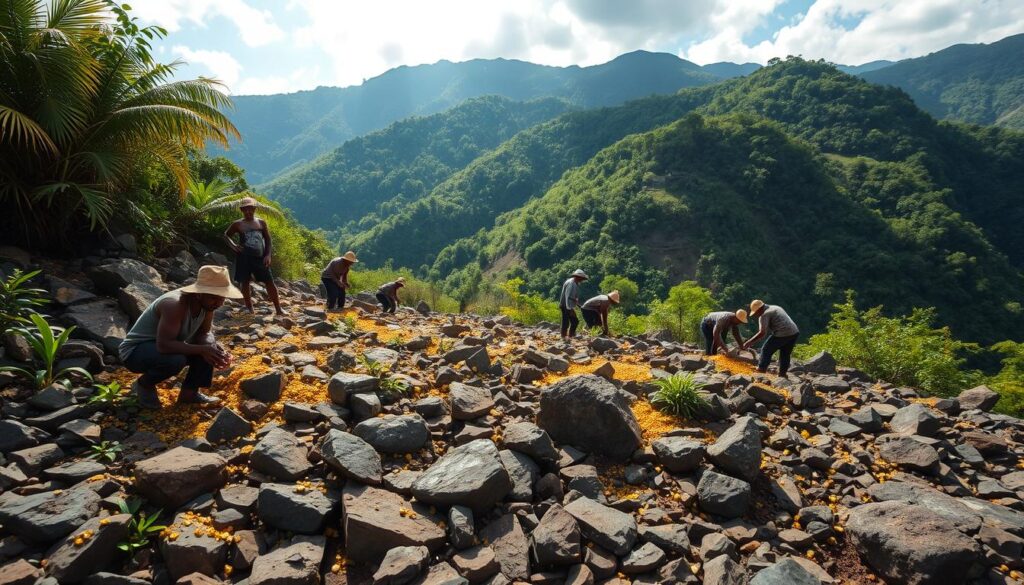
x=175, y=331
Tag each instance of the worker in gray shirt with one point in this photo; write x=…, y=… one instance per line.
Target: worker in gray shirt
x=568, y=300
x=715, y=325
x=782, y=334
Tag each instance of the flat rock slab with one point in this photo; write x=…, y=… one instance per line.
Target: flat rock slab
x=352, y=457
x=174, y=477
x=376, y=520
x=295, y=564
x=911, y=544
x=608, y=527
x=723, y=495
x=469, y=402
x=305, y=512
x=394, y=434
x=280, y=455
x=192, y=553
x=471, y=475
x=611, y=427
x=70, y=563
x=47, y=516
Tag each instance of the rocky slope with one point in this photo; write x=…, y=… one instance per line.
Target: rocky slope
x=428, y=448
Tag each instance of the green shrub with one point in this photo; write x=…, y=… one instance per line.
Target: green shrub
x=679, y=395
x=18, y=301
x=1009, y=382
x=903, y=350
x=681, y=312
x=414, y=291
x=46, y=342
x=527, y=308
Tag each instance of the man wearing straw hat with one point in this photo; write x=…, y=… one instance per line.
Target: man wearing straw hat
x=568, y=300
x=335, y=279
x=175, y=331
x=387, y=294
x=782, y=333
x=253, y=253
x=595, y=310
x=714, y=326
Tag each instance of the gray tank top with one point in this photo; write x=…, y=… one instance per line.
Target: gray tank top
x=145, y=328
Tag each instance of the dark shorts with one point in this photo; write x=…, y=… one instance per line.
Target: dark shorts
x=251, y=268
x=591, y=317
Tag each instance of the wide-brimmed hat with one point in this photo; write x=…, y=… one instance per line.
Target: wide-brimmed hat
x=213, y=280
x=755, y=305
x=350, y=256
x=742, y=315
x=246, y=202
x=614, y=296
x=580, y=274
x=400, y=280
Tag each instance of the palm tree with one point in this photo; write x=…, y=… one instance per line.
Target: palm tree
x=85, y=113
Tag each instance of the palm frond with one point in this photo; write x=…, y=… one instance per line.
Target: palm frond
x=76, y=17
x=21, y=129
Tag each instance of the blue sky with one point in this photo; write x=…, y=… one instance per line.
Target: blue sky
x=266, y=46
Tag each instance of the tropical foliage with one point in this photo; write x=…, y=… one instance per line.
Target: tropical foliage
x=46, y=343
x=85, y=111
x=18, y=299
x=678, y=394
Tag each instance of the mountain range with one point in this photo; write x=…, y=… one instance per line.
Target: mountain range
x=974, y=83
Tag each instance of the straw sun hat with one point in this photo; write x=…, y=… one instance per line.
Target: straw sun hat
x=580, y=274
x=246, y=202
x=755, y=305
x=742, y=315
x=614, y=296
x=213, y=280
x=350, y=256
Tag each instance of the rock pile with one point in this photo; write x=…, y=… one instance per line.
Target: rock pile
x=439, y=449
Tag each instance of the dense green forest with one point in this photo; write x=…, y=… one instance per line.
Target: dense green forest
x=287, y=129
x=375, y=175
x=982, y=84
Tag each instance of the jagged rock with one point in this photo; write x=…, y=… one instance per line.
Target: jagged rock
x=556, y=540
x=723, y=495
x=867, y=418
x=966, y=513
x=522, y=472
x=305, y=512
x=53, y=397
x=722, y=570
x=980, y=397
x=136, y=297
x=785, y=572
x=423, y=308
x=765, y=395
x=66, y=293
x=642, y=559
x=20, y=572
x=510, y=545
x=376, y=521
x=352, y=457
x=297, y=563
x=52, y=421
x=476, y=564
x=71, y=563
x=603, y=344
x=382, y=355
x=401, y=565
x=46, y=516
x=84, y=430
x=280, y=455
x=679, y=454
x=530, y=439
x=821, y=363
x=265, y=387
x=228, y=425
x=174, y=477
x=35, y=459
x=100, y=321
x=579, y=575
x=737, y=451
x=670, y=537
x=909, y=452
x=469, y=402
x=612, y=429
x=471, y=475
x=394, y=434
x=364, y=406
x=915, y=419
x=461, y=531
x=119, y=273
x=715, y=545
x=831, y=385
x=15, y=436
x=192, y=553
x=787, y=494
x=344, y=384
x=608, y=527
x=295, y=412
x=911, y=544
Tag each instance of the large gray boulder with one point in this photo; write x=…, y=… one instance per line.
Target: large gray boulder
x=46, y=516
x=303, y=512
x=980, y=397
x=136, y=297
x=114, y=275
x=723, y=495
x=915, y=419
x=394, y=434
x=610, y=427
x=911, y=544
x=376, y=521
x=738, y=450
x=607, y=527
x=100, y=321
x=526, y=437
x=469, y=402
x=909, y=452
x=556, y=540
x=471, y=475
x=679, y=454
x=280, y=455
x=174, y=477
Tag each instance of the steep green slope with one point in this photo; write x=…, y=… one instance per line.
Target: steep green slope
x=982, y=84
x=280, y=131
x=403, y=162
x=502, y=180
x=751, y=212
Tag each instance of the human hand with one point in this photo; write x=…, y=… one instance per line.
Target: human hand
x=215, y=355
x=266, y=261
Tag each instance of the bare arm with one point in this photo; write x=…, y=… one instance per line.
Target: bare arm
x=266, y=238
x=716, y=335
x=736, y=335
x=604, y=319
x=762, y=324
x=229, y=237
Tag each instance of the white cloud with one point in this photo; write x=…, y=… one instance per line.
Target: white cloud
x=255, y=27
x=221, y=65
x=303, y=77
x=884, y=29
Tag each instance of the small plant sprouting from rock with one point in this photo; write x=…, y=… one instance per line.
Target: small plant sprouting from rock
x=106, y=451
x=678, y=395
x=18, y=301
x=46, y=342
x=388, y=386
x=113, y=394
x=141, y=527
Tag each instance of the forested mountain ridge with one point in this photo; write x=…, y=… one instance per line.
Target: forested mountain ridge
x=944, y=196
x=978, y=83
x=382, y=171
x=282, y=130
